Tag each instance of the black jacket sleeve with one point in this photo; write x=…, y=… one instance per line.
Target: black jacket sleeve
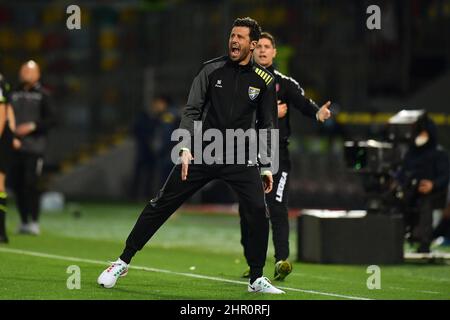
x=196, y=100
x=297, y=99
x=48, y=115
x=267, y=119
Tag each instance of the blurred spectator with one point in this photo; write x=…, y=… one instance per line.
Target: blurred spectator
x=152, y=130
x=34, y=117
x=424, y=177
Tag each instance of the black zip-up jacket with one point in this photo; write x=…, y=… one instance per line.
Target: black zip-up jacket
x=289, y=92
x=225, y=95
x=429, y=162
x=33, y=105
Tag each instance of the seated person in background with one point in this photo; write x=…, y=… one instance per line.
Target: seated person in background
x=424, y=176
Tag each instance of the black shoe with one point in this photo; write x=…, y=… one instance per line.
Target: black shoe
x=282, y=269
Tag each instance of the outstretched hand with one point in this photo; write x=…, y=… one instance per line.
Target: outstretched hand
x=324, y=112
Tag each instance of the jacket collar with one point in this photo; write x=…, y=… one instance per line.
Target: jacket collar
x=271, y=69
x=248, y=66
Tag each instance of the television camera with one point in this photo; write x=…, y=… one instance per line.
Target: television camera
x=378, y=163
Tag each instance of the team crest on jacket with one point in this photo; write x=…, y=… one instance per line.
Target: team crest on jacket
x=253, y=92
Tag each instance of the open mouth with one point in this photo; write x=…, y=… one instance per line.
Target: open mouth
x=235, y=51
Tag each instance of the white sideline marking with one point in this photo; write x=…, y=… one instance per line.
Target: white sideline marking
x=420, y=291
x=191, y=275
x=298, y=274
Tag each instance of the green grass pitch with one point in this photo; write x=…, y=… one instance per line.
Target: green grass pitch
x=193, y=256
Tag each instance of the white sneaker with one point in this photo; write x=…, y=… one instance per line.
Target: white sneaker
x=109, y=277
x=34, y=228
x=263, y=285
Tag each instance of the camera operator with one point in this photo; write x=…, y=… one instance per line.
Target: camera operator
x=424, y=178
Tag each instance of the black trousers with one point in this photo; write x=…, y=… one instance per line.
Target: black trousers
x=26, y=169
x=419, y=220
x=244, y=180
x=277, y=202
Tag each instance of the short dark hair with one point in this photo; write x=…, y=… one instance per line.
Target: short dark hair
x=266, y=35
x=252, y=24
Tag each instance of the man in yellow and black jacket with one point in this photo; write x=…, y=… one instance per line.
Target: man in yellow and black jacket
x=230, y=92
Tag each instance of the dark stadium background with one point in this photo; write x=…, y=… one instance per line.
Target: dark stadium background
x=128, y=51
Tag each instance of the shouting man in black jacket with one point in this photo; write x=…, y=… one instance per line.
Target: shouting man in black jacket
x=290, y=95
x=229, y=93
